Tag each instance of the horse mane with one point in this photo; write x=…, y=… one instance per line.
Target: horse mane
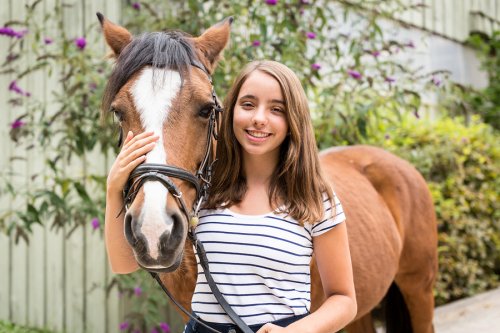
x=166, y=49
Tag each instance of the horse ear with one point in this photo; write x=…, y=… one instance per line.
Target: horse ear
x=117, y=37
x=213, y=41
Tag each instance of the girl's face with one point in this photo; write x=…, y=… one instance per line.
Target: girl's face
x=260, y=122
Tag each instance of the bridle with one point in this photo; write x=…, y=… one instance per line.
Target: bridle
x=201, y=182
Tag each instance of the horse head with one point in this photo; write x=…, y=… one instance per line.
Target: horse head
x=161, y=82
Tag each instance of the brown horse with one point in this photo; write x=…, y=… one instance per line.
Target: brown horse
x=390, y=216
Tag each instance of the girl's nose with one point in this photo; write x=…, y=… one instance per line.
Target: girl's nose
x=259, y=117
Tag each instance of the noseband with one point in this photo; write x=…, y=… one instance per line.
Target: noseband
x=201, y=182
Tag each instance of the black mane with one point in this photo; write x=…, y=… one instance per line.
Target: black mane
x=157, y=49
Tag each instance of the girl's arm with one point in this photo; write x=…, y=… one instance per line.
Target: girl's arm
x=334, y=264
x=120, y=255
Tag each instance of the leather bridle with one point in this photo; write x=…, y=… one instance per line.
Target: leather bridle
x=201, y=182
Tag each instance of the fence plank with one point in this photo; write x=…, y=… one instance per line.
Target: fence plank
x=55, y=306
x=74, y=245
x=19, y=294
x=35, y=168
x=5, y=147
x=95, y=252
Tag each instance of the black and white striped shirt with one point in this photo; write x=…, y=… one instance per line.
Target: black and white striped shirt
x=259, y=262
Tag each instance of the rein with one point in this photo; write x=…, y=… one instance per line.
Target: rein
x=201, y=182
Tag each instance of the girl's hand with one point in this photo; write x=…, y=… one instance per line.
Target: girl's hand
x=132, y=154
x=271, y=328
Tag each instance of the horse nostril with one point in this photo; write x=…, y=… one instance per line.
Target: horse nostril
x=169, y=240
x=129, y=234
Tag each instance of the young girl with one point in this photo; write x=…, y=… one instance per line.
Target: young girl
x=268, y=210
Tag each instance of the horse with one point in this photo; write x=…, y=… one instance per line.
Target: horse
x=162, y=82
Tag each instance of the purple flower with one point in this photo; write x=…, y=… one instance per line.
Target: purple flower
x=95, y=223
x=92, y=86
x=310, y=35
x=415, y=113
x=137, y=291
x=354, y=74
x=164, y=327
x=375, y=53
x=80, y=42
x=315, y=66
x=20, y=34
x=123, y=326
x=137, y=330
x=304, y=2
x=48, y=40
x=7, y=31
x=256, y=43
x=387, y=137
x=410, y=44
x=136, y=5
x=15, y=88
x=272, y=2
x=437, y=82
x=465, y=140
x=154, y=330
x=390, y=79
x=17, y=124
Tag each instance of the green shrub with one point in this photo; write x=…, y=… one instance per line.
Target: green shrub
x=462, y=167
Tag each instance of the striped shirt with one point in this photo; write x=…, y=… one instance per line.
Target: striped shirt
x=259, y=262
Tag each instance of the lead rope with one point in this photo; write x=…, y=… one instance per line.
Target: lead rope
x=165, y=290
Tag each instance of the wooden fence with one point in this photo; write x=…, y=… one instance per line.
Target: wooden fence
x=55, y=282
x=58, y=282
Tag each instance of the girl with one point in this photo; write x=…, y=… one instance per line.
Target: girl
x=269, y=209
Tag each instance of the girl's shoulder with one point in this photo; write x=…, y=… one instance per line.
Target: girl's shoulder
x=333, y=215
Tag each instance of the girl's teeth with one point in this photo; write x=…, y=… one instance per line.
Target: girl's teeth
x=257, y=134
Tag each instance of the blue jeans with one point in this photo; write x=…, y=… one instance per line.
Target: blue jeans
x=193, y=327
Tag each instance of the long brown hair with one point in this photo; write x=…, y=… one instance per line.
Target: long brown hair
x=297, y=183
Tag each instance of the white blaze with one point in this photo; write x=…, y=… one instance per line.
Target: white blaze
x=153, y=100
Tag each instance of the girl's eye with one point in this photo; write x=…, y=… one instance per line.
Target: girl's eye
x=278, y=110
x=246, y=105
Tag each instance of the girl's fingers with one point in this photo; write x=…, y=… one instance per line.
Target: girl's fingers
x=133, y=154
x=137, y=138
x=129, y=137
x=132, y=165
x=133, y=146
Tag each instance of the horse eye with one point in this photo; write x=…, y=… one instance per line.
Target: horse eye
x=118, y=114
x=206, y=111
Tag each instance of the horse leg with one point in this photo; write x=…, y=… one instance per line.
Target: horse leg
x=362, y=325
x=419, y=298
